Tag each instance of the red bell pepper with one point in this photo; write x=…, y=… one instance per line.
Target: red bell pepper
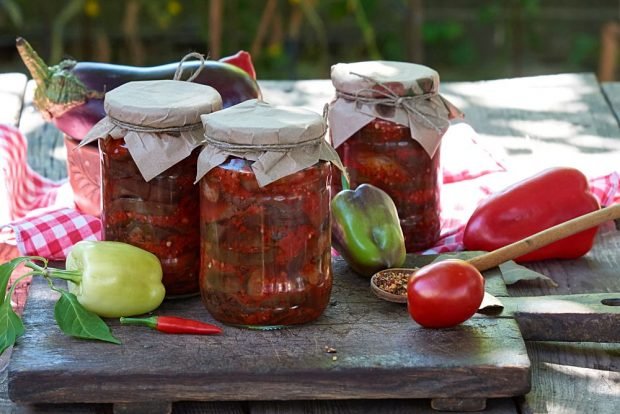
x=548, y=198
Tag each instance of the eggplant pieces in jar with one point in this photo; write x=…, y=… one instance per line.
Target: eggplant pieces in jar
x=160, y=216
x=266, y=251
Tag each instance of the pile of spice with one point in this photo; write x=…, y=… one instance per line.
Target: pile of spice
x=393, y=281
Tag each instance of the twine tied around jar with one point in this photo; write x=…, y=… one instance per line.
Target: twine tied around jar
x=390, y=98
x=179, y=72
x=263, y=147
x=276, y=140
x=141, y=128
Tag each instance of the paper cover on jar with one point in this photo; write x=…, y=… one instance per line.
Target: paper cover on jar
x=159, y=120
x=279, y=140
x=404, y=93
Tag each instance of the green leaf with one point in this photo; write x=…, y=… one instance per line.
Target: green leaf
x=510, y=270
x=6, y=270
x=11, y=326
x=513, y=273
x=75, y=320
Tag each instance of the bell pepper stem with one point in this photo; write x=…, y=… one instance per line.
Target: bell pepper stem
x=346, y=185
x=151, y=322
x=70, y=275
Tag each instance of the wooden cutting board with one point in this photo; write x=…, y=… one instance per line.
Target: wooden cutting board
x=379, y=353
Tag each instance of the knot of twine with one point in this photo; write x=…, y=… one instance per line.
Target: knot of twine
x=388, y=97
x=179, y=72
x=232, y=147
x=142, y=128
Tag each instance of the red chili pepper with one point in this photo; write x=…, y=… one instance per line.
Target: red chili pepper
x=242, y=60
x=548, y=198
x=174, y=325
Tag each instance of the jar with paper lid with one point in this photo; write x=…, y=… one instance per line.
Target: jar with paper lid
x=149, y=143
x=264, y=215
x=386, y=123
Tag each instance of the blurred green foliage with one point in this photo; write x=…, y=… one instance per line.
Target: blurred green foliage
x=463, y=40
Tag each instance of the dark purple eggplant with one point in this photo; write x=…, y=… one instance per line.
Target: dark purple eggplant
x=71, y=93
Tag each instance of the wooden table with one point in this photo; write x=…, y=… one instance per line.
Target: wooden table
x=530, y=123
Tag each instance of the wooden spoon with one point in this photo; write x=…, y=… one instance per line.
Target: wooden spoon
x=519, y=248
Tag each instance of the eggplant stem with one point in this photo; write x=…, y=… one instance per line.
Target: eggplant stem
x=37, y=67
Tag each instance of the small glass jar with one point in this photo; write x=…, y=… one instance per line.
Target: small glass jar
x=266, y=237
x=386, y=123
x=149, y=150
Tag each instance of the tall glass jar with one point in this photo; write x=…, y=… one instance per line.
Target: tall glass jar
x=149, y=150
x=386, y=123
x=265, y=218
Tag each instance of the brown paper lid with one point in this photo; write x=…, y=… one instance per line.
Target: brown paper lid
x=403, y=93
x=405, y=78
x=159, y=121
x=279, y=140
x=161, y=103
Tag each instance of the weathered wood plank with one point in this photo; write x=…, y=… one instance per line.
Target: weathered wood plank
x=579, y=378
x=12, y=88
x=576, y=377
x=536, y=122
x=590, y=317
x=612, y=93
x=194, y=407
x=596, y=272
x=484, y=357
x=404, y=406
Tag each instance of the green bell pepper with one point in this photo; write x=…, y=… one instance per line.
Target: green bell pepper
x=366, y=229
x=114, y=279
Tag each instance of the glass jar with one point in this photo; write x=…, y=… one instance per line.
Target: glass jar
x=149, y=149
x=383, y=154
x=386, y=123
x=266, y=251
x=160, y=216
x=266, y=236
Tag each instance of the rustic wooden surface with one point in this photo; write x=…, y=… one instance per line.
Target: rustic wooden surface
x=612, y=94
x=543, y=121
x=588, y=317
x=484, y=357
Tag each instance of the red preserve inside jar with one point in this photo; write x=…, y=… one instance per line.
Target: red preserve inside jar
x=383, y=153
x=149, y=145
x=266, y=251
x=161, y=215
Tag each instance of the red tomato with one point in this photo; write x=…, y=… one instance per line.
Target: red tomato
x=444, y=294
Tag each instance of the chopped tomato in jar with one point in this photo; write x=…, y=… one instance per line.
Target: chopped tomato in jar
x=265, y=251
x=160, y=216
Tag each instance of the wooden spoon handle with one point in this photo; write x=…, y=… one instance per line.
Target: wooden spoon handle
x=545, y=237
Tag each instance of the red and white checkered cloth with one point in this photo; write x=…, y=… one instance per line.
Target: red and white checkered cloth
x=40, y=212
x=45, y=227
